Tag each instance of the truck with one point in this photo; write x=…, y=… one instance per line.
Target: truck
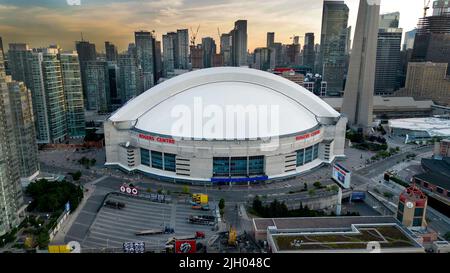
x=166, y=230
x=114, y=204
x=202, y=220
x=200, y=198
x=196, y=235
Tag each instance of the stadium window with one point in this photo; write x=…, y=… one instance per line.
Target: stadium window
x=300, y=157
x=256, y=165
x=157, y=161
x=316, y=151
x=145, y=157
x=308, y=154
x=221, y=166
x=169, y=162
x=238, y=166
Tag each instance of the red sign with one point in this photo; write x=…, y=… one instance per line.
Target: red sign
x=185, y=246
x=157, y=139
x=130, y=190
x=308, y=135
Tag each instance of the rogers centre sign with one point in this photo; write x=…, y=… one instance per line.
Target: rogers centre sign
x=157, y=139
x=308, y=135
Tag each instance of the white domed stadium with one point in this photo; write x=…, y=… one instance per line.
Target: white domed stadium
x=224, y=125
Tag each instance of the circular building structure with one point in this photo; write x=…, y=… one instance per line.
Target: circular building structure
x=224, y=125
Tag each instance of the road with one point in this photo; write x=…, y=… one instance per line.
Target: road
x=363, y=178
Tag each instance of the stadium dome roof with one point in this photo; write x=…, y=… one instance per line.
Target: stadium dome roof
x=158, y=109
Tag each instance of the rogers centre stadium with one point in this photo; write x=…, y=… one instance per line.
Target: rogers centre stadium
x=140, y=136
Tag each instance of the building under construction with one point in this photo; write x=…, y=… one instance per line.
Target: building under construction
x=432, y=42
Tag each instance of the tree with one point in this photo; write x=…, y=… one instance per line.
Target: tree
x=76, y=176
x=186, y=189
x=387, y=194
x=317, y=185
x=312, y=192
x=305, y=186
x=221, y=204
x=43, y=239
x=447, y=236
x=257, y=205
x=334, y=188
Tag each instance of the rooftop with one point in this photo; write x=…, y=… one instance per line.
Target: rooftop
x=435, y=179
x=322, y=223
x=432, y=126
x=217, y=89
x=387, y=103
x=438, y=172
x=387, y=236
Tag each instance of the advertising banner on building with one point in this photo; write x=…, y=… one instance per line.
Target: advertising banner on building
x=185, y=246
x=341, y=175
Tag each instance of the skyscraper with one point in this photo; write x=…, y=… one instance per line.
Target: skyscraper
x=145, y=49
x=432, y=40
x=111, y=52
x=270, y=39
x=225, y=48
x=114, y=94
x=86, y=53
x=182, y=48
x=239, y=43
x=261, y=59
x=169, y=52
x=26, y=66
x=358, y=96
x=441, y=7
x=23, y=127
x=98, y=86
x=409, y=39
x=428, y=81
x=158, y=61
x=209, y=49
x=334, y=40
x=129, y=77
x=309, y=55
x=10, y=189
x=388, y=54
x=196, y=56
x=54, y=91
x=389, y=20
x=1, y=48
x=73, y=94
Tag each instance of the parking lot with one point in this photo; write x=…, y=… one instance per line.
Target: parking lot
x=112, y=227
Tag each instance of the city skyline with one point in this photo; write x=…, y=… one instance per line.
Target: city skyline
x=56, y=22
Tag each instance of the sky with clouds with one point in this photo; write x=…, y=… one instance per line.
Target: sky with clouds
x=43, y=22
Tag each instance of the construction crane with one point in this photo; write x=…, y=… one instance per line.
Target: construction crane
x=218, y=32
x=194, y=35
x=426, y=7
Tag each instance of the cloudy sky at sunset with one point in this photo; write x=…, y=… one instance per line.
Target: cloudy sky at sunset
x=43, y=22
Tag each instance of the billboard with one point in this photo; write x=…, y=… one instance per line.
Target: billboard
x=185, y=246
x=341, y=175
